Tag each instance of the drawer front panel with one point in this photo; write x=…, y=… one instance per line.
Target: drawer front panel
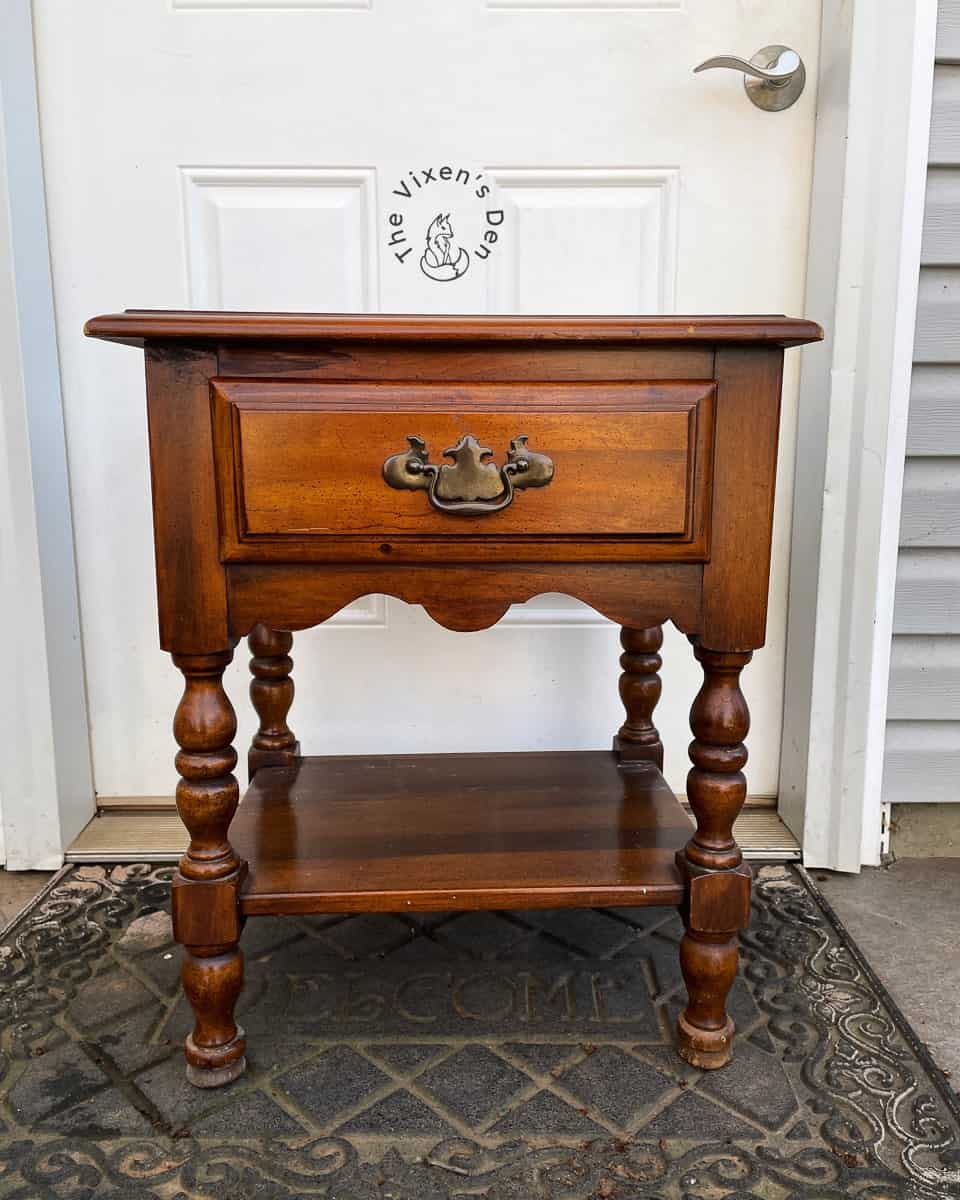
x=301, y=465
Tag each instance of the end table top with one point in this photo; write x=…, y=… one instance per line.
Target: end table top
x=134, y=327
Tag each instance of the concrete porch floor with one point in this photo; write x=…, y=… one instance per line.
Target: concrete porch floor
x=904, y=920
x=17, y=889
x=902, y=917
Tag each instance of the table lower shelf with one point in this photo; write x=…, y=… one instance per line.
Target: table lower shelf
x=459, y=831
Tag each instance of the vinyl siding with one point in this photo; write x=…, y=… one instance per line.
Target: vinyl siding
x=948, y=32
x=922, y=758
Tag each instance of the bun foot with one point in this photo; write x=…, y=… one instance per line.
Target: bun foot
x=706, y=1049
x=217, y=1076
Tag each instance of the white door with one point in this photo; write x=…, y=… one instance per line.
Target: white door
x=403, y=155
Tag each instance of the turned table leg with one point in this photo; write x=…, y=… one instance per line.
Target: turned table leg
x=718, y=881
x=206, y=908
x=271, y=691
x=637, y=738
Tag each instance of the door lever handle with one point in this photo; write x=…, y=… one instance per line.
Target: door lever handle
x=773, y=79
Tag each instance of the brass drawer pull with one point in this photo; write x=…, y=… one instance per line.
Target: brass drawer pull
x=473, y=486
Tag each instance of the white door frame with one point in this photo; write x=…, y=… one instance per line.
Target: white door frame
x=873, y=128
x=46, y=791
x=863, y=264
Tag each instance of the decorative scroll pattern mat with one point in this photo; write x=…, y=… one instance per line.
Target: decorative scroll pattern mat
x=513, y=1056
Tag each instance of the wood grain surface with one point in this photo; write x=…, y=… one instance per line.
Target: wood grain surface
x=632, y=461
x=134, y=326
x=462, y=597
x=459, y=831
x=268, y=434
x=624, y=456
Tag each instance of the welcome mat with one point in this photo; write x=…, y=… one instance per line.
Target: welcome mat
x=513, y=1056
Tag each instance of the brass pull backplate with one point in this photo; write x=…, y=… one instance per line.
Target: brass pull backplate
x=473, y=486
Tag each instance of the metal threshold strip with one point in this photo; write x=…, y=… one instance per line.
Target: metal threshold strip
x=150, y=830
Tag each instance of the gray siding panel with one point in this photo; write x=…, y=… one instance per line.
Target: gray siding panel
x=922, y=757
x=945, y=125
x=948, y=32
x=925, y=679
x=934, y=425
x=922, y=763
x=931, y=503
x=941, y=218
x=938, y=316
x=928, y=593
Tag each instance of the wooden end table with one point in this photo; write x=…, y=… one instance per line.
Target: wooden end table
x=464, y=464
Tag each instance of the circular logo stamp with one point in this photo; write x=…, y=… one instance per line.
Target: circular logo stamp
x=443, y=221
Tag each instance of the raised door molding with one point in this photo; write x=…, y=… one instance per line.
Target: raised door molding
x=622, y=223
x=590, y=5
x=266, y=5
x=566, y=226
x=285, y=239
x=553, y=611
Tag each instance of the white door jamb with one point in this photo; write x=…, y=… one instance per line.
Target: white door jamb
x=46, y=789
x=873, y=123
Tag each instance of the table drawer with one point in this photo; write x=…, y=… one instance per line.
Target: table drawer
x=302, y=472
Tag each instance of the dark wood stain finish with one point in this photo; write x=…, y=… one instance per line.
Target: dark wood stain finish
x=271, y=693
x=421, y=832
x=632, y=470
x=665, y=430
x=640, y=687
x=460, y=597
x=136, y=326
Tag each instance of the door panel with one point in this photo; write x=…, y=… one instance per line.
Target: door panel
x=262, y=239
x=207, y=153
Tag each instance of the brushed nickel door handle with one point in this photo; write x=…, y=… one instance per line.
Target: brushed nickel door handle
x=773, y=79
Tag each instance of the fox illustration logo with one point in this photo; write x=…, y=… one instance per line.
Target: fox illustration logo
x=443, y=259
